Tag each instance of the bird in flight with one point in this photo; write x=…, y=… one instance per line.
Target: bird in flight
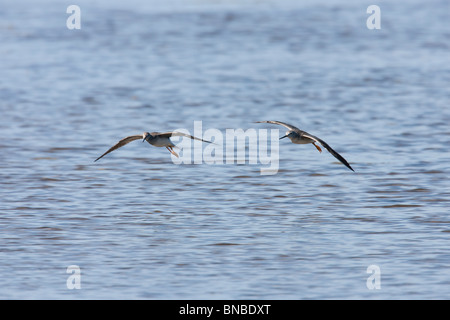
x=156, y=139
x=298, y=136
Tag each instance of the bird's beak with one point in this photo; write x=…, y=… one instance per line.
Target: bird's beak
x=283, y=137
x=144, y=139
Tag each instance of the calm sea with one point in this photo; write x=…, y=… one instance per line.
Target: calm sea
x=139, y=226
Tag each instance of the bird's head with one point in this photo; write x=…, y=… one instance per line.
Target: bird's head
x=289, y=134
x=146, y=136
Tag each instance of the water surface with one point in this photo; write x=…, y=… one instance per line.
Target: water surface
x=141, y=227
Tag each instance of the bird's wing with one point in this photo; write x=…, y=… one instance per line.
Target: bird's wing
x=119, y=144
x=290, y=127
x=326, y=146
x=176, y=134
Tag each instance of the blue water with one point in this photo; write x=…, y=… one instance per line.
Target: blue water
x=141, y=227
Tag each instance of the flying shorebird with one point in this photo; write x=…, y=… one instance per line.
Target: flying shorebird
x=298, y=136
x=156, y=139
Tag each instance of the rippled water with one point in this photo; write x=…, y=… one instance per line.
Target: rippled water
x=140, y=226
